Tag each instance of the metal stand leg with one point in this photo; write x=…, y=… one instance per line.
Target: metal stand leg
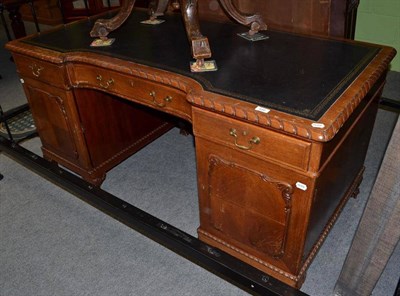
x=60, y=6
x=86, y=8
x=2, y=119
x=32, y=5
x=3, y=21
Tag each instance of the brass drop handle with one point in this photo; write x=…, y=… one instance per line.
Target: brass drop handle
x=166, y=100
x=105, y=85
x=253, y=141
x=36, y=69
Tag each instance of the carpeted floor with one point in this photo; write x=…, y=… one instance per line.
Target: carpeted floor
x=52, y=243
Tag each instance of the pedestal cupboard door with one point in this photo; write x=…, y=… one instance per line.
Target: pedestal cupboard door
x=51, y=113
x=250, y=207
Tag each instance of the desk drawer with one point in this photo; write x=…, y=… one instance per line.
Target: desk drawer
x=155, y=95
x=251, y=139
x=40, y=70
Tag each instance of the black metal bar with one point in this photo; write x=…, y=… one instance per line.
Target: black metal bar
x=3, y=20
x=218, y=262
x=86, y=7
x=390, y=105
x=13, y=112
x=3, y=119
x=4, y=116
x=33, y=11
x=61, y=7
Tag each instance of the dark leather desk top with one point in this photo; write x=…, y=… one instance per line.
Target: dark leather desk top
x=298, y=75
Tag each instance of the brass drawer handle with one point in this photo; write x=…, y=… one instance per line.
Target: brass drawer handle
x=253, y=141
x=167, y=99
x=105, y=85
x=36, y=69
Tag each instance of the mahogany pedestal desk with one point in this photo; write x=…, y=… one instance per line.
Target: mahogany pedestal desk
x=281, y=129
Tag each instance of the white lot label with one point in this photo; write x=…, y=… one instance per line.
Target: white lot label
x=301, y=186
x=317, y=125
x=262, y=109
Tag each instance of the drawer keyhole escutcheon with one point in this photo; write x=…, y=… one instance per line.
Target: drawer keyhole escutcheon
x=36, y=69
x=167, y=99
x=106, y=84
x=252, y=141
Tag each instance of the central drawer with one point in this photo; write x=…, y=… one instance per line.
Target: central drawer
x=153, y=94
x=251, y=139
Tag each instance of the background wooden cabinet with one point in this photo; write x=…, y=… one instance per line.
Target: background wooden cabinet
x=332, y=18
x=77, y=9
x=47, y=12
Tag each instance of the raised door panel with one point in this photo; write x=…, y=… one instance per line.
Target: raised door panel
x=251, y=208
x=53, y=118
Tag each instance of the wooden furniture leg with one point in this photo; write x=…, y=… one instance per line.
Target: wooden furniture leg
x=255, y=22
x=33, y=11
x=3, y=21
x=157, y=8
x=199, y=43
x=103, y=27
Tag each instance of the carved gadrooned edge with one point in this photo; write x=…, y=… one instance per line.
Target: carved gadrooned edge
x=170, y=79
x=245, y=111
x=337, y=119
x=332, y=120
x=35, y=52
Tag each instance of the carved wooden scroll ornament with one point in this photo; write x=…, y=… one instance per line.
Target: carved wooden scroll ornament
x=189, y=8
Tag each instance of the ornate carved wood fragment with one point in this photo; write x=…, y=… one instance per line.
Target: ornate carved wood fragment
x=189, y=8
